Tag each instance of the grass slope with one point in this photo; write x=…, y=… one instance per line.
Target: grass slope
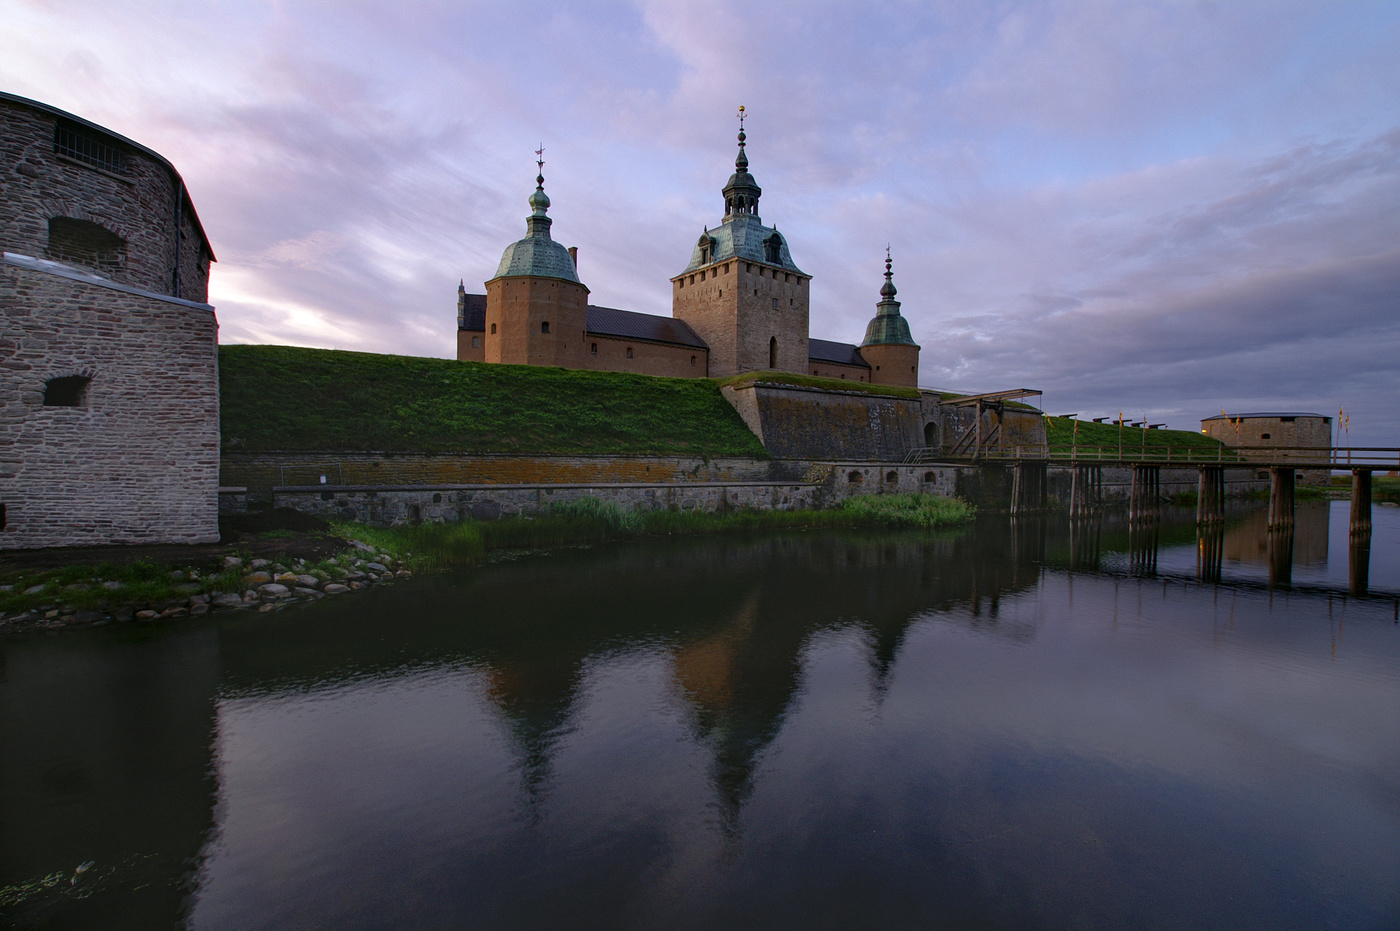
x=285, y=398
x=1059, y=431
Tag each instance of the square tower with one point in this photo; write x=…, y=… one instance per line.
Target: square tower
x=741, y=292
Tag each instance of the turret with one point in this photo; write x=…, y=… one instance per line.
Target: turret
x=888, y=346
x=536, y=307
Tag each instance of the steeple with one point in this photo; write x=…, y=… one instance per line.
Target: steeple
x=742, y=192
x=888, y=328
x=538, y=223
x=537, y=254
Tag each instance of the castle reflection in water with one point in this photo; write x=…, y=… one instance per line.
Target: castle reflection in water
x=122, y=729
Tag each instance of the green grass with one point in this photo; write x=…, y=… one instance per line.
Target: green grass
x=1060, y=431
x=812, y=381
x=438, y=546
x=290, y=399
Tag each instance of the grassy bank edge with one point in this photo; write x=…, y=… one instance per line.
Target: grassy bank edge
x=430, y=546
x=590, y=520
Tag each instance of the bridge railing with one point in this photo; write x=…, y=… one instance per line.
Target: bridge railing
x=1301, y=457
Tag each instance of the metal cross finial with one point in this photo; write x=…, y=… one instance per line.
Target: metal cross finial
x=887, y=260
x=539, y=160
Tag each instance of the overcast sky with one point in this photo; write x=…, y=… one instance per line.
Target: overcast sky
x=1166, y=208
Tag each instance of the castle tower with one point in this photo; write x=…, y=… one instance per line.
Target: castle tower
x=891, y=351
x=536, y=308
x=741, y=291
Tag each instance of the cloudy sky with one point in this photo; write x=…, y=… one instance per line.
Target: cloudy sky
x=1160, y=207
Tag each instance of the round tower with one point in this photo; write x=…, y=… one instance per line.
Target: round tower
x=536, y=308
x=891, y=351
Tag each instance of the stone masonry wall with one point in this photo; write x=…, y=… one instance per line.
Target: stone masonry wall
x=139, y=204
x=260, y=472
x=737, y=306
x=811, y=423
x=137, y=461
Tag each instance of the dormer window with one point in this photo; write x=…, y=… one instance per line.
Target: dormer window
x=772, y=248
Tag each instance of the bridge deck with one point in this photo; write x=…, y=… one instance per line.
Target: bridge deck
x=1372, y=458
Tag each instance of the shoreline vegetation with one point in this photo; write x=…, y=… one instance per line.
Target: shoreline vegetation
x=92, y=594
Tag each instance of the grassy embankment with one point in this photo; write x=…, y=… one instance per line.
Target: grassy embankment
x=812, y=381
x=590, y=520
x=1060, y=432
x=285, y=398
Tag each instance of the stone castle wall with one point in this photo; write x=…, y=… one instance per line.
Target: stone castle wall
x=811, y=423
x=137, y=460
x=643, y=357
x=139, y=203
x=736, y=307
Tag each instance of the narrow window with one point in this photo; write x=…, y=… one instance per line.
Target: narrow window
x=692, y=279
x=1265, y=436
x=891, y=476
x=493, y=329
x=928, y=476
x=721, y=292
x=544, y=326
x=692, y=360
x=476, y=342
x=68, y=391
x=1287, y=419
x=2, y=515
x=855, y=478
x=773, y=352
x=593, y=348
x=726, y=268
x=629, y=352
x=775, y=303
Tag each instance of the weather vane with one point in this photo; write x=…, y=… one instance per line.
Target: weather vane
x=741, y=117
x=539, y=157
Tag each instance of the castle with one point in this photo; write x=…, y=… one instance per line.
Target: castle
x=740, y=305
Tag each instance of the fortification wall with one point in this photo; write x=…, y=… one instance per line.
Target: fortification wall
x=261, y=472
x=812, y=423
x=136, y=458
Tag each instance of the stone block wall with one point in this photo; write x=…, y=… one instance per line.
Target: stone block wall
x=736, y=307
x=259, y=473
x=137, y=460
x=143, y=202
x=812, y=423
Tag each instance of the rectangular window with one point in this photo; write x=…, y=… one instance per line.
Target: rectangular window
x=629, y=352
x=476, y=342
x=775, y=303
x=88, y=148
x=593, y=348
x=544, y=326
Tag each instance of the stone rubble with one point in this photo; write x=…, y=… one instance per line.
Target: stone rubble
x=267, y=586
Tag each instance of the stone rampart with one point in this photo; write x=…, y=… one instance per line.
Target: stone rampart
x=814, y=423
x=109, y=412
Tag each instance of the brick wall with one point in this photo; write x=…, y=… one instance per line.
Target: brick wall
x=519, y=309
x=611, y=354
x=137, y=461
x=139, y=204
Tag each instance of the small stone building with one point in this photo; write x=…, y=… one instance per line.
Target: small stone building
x=740, y=305
x=109, y=405
x=1282, y=436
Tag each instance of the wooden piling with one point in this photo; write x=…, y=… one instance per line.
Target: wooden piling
x=1280, y=497
x=1360, y=501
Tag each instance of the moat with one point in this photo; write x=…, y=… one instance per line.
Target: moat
x=1028, y=726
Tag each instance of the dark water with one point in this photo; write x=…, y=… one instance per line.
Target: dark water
x=1038, y=728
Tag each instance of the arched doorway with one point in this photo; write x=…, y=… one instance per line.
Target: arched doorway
x=931, y=435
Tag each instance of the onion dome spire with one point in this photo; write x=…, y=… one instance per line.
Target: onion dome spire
x=742, y=192
x=537, y=254
x=888, y=327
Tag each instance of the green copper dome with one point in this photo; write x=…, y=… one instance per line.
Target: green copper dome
x=537, y=255
x=888, y=328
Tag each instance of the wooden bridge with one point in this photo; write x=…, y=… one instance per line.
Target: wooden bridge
x=1029, y=488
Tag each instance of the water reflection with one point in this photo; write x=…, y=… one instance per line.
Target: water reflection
x=1029, y=723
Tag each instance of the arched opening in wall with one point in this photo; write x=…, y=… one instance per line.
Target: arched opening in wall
x=68, y=391
x=930, y=435
x=82, y=242
x=493, y=329
x=544, y=326
x=891, y=476
x=593, y=348
x=772, y=352
x=928, y=477
x=855, y=478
